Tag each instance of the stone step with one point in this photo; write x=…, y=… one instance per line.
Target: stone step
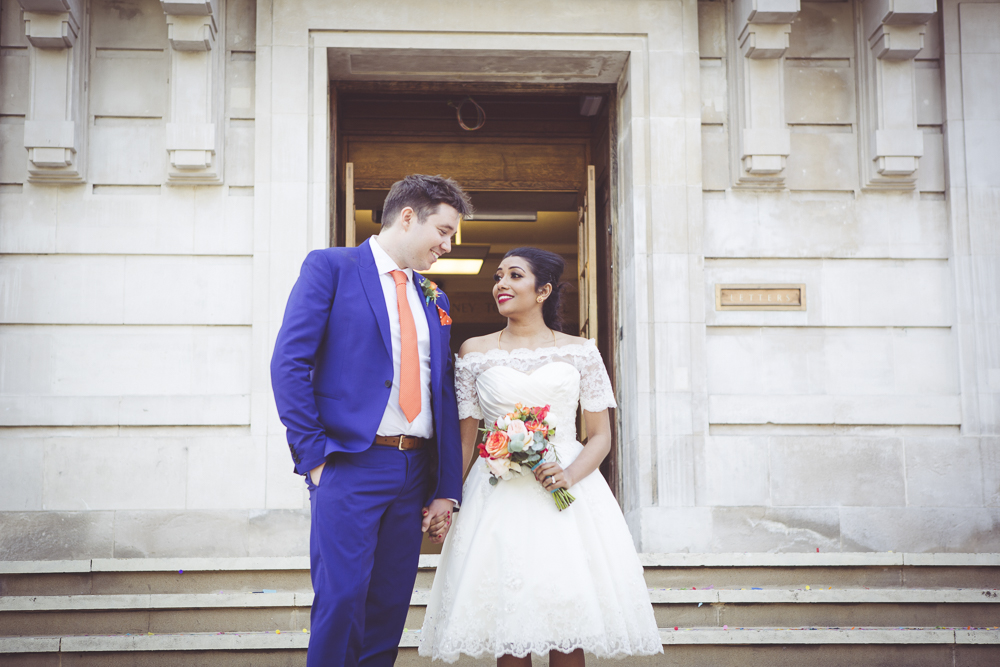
x=780, y=609
x=288, y=611
x=780, y=571
x=772, y=646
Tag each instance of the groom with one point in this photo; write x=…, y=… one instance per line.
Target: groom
x=363, y=378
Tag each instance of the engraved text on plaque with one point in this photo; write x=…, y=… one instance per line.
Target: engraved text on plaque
x=760, y=297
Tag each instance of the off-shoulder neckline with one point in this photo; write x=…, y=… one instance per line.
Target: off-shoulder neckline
x=523, y=352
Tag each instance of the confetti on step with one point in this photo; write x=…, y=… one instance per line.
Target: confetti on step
x=808, y=588
x=725, y=627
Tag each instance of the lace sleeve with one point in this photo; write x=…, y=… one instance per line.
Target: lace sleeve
x=596, y=393
x=465, y=391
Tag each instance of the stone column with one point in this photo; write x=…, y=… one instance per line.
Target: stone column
x=763, y=141
x=55, y=128
x=893, y=34
x=195, y=130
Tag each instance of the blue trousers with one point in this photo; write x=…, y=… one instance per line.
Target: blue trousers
x=364, y=549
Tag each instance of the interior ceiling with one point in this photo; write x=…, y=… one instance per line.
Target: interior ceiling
x=553, y=228
x=489, y=200
x=349, y=64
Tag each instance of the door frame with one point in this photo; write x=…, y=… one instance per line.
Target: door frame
x=630, y=93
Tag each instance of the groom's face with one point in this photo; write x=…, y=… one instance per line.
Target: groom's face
x=424, y=242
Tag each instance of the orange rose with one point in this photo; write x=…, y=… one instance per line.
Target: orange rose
x=496, y=444
x=533, y=426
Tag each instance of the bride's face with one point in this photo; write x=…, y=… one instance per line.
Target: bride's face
x=514, y=287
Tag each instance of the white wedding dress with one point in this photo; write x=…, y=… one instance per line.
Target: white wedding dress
x=516, y=575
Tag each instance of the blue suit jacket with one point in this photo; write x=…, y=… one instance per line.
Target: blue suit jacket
x=331, y=370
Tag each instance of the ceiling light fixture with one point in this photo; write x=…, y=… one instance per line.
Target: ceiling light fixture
x=463, y=260
x=455, y=267
x=503, y=216
x=590, y=104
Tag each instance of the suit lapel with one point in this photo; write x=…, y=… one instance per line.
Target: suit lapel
x=373, y=290
x=434, y=326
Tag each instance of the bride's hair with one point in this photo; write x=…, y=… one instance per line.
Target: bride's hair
x=547, y=267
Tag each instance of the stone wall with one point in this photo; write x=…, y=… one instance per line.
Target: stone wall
x=127, y=298
x=845, y=426
x=154, y=217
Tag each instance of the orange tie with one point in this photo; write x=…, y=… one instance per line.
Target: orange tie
x=409, y=359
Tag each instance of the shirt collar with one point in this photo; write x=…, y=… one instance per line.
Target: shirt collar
x=384, y=263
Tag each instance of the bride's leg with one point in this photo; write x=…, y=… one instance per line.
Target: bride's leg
x=511, y=661
x=574, y=659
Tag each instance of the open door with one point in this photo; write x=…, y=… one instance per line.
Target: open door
x=587, y=258
x=350, y=221
x=587, y=266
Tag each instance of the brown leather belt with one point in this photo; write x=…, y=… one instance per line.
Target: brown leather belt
x=400, y=442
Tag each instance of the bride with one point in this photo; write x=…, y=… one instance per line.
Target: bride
x=518, y=577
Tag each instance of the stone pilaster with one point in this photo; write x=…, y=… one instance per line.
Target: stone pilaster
x=196, y=127
x=55, y=127
x=892, y=36
x=762, y=138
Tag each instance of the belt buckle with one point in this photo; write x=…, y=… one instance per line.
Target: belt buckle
x=399, y=445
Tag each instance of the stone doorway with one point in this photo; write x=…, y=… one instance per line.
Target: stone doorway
x=538, y=169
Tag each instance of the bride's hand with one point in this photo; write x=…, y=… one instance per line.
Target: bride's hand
x=552, y=476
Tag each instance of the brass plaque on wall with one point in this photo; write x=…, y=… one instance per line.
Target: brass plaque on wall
x=760, y=297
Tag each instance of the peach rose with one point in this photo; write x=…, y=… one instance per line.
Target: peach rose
x=496, y=444
x=516, y=427
x=537, y=426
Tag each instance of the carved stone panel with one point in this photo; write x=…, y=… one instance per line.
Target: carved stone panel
x=55, y=127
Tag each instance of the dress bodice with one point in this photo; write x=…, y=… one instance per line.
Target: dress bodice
x=489, y=384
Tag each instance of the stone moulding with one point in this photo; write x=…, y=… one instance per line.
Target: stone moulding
x=194, y=132
x=55, y=134
x=761, y=137
x=890, y=34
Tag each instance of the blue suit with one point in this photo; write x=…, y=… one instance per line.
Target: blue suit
x=332, y=374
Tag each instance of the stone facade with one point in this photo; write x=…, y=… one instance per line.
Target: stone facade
x=165, y=166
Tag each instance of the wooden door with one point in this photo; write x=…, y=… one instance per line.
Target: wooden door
x=587, y=258
x=587, y=268
x=350, y=220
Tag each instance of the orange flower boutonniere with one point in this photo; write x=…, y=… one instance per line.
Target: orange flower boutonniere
x=430, y=290
x=445, y=318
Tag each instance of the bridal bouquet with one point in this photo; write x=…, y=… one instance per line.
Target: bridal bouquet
x=517, y=443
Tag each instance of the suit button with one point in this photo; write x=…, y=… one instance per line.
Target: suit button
x=388, y=383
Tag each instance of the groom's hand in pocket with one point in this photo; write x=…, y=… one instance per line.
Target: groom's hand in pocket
x=437, y=519
x=315, y=473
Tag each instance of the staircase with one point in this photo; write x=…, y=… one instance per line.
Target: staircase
x=712, y=609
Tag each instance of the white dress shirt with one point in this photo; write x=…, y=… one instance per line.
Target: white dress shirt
x=393, y=420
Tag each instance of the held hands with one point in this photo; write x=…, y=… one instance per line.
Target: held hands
x=552, y=476
x=437, y=519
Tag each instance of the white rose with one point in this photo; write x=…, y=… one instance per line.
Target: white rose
x=499, y=467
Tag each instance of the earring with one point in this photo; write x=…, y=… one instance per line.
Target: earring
x=539, y=299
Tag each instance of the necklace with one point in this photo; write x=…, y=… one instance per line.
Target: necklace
x=500, y=335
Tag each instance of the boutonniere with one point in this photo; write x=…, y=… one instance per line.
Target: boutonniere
x=431, y=291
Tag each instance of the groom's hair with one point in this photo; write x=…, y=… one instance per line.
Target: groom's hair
x=423, y=194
